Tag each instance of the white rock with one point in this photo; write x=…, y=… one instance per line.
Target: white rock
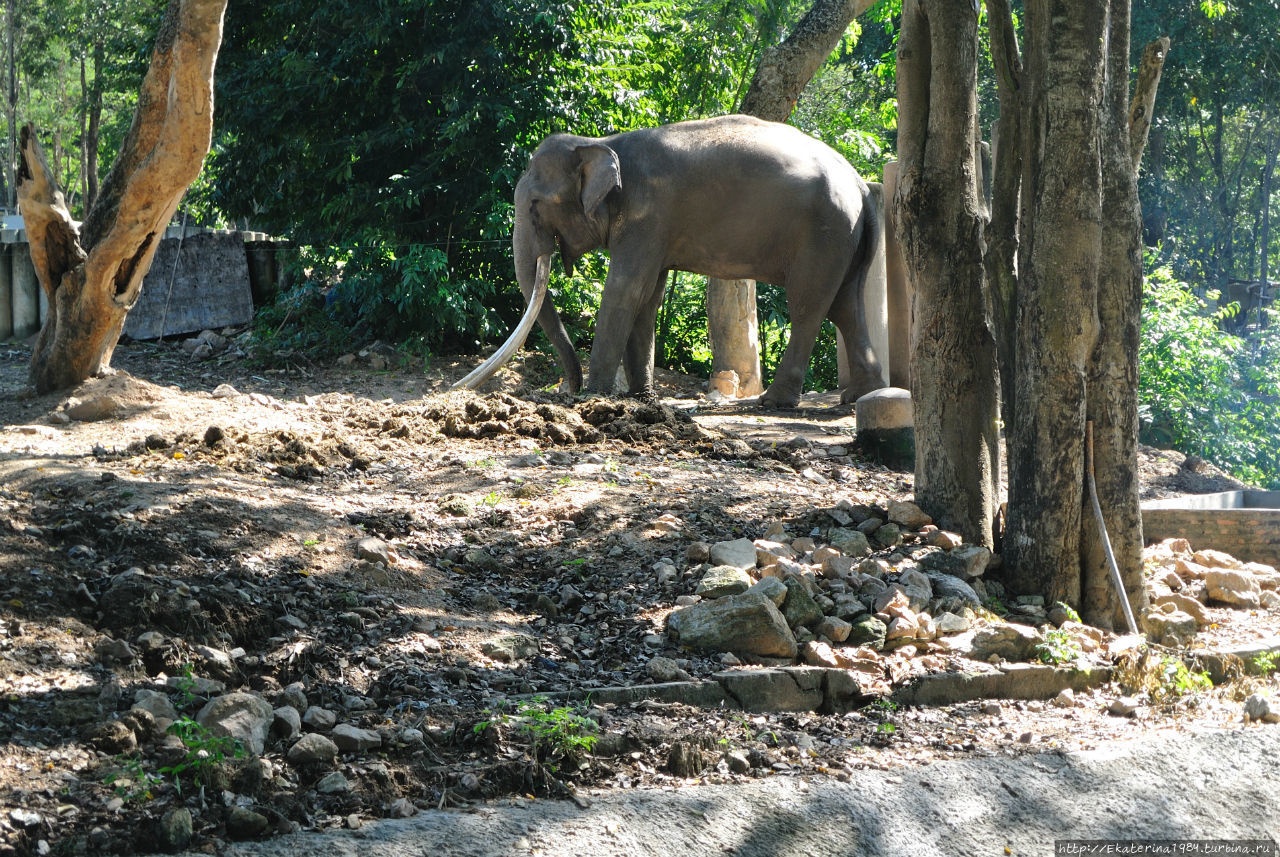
x=739, y=552
x=1236, y=588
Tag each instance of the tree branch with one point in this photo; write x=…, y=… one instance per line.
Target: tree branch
x=1144, y=96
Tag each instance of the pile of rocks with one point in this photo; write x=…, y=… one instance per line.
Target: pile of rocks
x=872, y=580
x=1182, y=584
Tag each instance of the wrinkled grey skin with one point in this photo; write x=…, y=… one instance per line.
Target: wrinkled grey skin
x=732, y=197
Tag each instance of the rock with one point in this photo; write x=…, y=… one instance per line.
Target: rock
x=737, y=761
x=353, y=739
x=772, y=588
x=97, y=408
x=245, y=824
x=1216, y=559
x=1125, y=706
x=112, y=738
x=224, y=391
x=943, y=539
x=850, y=542
x=108, y=650
x=319, y=719
x=665, y=669
x=769, y=552
x=975, y=560
x=1186, y=604
x=1066, y=698
x=286, y=723
x=402, y=808
x=889, y=535
x=799, y=608
x=747, y=624
x=157, y=703
x=1172, y=629
x=698, y=552
x=740, y=553
x=867, y=630
x=176, y=829
x=908, y=514
x=293, y=695
x=141, y=722
x=1236, y=588
x=950, y=623
x=946, y=586
x=373, y=549
x=817, y=654
x=1258, y=708
x=333, y=784
x=722, y=580
x=901, y=628
x=242, y=716
x=834, y=629
x=917, y=587
x=510, y=648
x=312, y=747
x=1269, y=600
x=1009, y=641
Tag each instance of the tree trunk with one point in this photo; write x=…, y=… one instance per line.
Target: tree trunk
x=1058, y=271
x=11, y=200
x=1113, y=370
x=784, y=71
x=734, y=333
x=93, y=279
x=1264, y=238
x=786, y=68
x=940, y=217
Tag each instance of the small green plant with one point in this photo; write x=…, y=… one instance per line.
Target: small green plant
x=562, y=733
x=186, y=686
x=131, y=782
x=1059, y=647
x=886, y=705
x=1072, y=615
x=483, y=463
x=1176, y=680
x=1267, y=662
x=492, y=499
x=886, y=729
x=204, y=751
x=996, y=606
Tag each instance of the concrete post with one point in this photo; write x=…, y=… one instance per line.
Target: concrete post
x=875, y=307
x=6, y=292
x=26, y=292
x=898, y=290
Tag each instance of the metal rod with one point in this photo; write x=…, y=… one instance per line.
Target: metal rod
x=1116, y=580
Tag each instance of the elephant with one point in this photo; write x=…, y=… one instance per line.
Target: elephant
x=732, y=197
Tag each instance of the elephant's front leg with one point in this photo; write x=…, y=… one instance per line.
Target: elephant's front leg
x=628, y=308
x=639, y=357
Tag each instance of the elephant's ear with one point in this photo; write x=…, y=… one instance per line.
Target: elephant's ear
x=601, y=176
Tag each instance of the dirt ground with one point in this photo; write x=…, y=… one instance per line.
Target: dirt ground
x=192, y=526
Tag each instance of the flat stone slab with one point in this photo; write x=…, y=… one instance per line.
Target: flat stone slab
x=1019, y=681
x=1222, y=665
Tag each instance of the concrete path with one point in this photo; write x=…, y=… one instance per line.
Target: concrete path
x=1174, y=785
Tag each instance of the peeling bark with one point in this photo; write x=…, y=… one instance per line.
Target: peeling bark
x=940, y=216
x=1142, y=106
x=92, y=279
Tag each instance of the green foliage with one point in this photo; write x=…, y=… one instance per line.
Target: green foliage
x=555, y=732
x=1204, y=391
x=1267, y=662
x=204, y=751
x=1176, y=680
x=131, y=781
x=1059, y=647
x=1072, y=615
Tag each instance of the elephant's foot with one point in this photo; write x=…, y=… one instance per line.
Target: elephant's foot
x=646, y=395
x=778, y=400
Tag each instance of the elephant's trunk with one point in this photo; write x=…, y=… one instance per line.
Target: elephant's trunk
x=488, y=368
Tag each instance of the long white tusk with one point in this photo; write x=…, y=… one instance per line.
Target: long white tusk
x=515, y=341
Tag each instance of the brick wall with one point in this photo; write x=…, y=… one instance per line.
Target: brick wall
x=1252, y=535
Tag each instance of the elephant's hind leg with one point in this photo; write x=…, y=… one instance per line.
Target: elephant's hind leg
x=847, y=313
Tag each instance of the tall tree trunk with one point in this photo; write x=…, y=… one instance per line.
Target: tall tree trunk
x=94, y=278
x=784, y=71
x=11, y=29
x=940, y=219
x=1113, y=369
x=1058, y=268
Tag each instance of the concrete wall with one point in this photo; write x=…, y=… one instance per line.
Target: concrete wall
x=210, y=282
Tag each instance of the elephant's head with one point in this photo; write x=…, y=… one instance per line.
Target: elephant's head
x=563, y=198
